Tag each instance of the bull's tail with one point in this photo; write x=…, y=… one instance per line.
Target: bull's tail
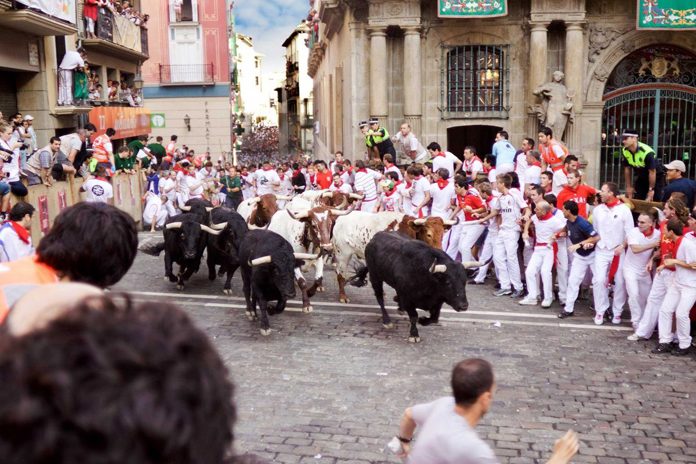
x=360, y=277
x=151, y=247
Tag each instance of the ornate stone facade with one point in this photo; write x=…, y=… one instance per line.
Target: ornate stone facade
x=395, y=62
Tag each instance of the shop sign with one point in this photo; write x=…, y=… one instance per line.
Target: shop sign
x=667, y=14
x=471, y=9
x=126, y=121
x=61, y=9
x=158, y=121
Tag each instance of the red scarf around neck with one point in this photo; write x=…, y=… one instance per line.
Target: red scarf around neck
x=613, y=203
x=439, y=154
x=364, y=170
x=21, y=232
x=548, y=216
x=442, y=183
x=649, y=232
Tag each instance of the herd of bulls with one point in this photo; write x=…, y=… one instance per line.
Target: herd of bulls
x=273, y=238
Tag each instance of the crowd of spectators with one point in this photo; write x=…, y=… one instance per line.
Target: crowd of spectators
x=94, y=8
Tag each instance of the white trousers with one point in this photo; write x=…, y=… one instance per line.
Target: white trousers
x=648, y=322
x=562, y=267
x=505, y=259
x=65, y=87
x=578, y=271
x=637, y=289
x=368, y=206
x=453, y=244
x=603, y=259
x=679, y=299
x=540, y=263
x=505, y=168
x=486, y=254
x=467, y=239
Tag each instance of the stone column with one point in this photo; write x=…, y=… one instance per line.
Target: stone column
x=378, y=73
x=537, y=56
x=574, y=62
x=413, y=97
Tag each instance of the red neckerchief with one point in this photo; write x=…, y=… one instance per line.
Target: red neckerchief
x=548, y=216
x=191, y=174
x=104, y=179
x=296, y=173
x=439, y=154
x=536, y=163
x=613, y=203
x=390, y=192
x=312, y=178
x=408, y=184
x=418, y=177
x=21, y=232
x=651, y=230
x=486, y=170
x=363, y=170
x=442, y=183
x=548, y=189
x=282, y=176
x=340, y=182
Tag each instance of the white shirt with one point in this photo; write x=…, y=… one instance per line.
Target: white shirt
x=265, y=181
x=393, y=168
x=11, y=169
x=686, y=253
x=492, y=174
x=509, y=209
x=442, y=200
x=365, y=183
x=545, y=229
x=448, y=162
x=612, y=225
x=560, y=178
x=12, y=247
x=154, y=211
x=98, y=190
x=474, y=165
x=532, y=175
x=166, y=184
x=521, y=164
x=405, y=193
x=344, y=188
x=636, y=262
x=72, y=60
x=410, y=143
x=420, y=186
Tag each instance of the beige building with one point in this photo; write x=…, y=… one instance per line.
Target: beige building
x=458, y=81
x=298, y=92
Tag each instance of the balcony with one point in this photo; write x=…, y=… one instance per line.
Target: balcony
x=308, y=122
x=119, y=37
x=187, y=74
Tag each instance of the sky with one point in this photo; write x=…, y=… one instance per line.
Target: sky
x=269, y=23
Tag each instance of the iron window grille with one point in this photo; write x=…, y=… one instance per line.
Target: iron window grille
x=475, y=81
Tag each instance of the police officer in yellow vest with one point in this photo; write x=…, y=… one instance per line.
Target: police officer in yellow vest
x=365, y=131
x=381, y=140
x=640, y=168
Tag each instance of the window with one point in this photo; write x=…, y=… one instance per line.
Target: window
x=475, y=81
x=257, y=81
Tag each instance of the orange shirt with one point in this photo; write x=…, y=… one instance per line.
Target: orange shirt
x=578, y=195
x=102, y=147
x=19, y=277
x=324, y=179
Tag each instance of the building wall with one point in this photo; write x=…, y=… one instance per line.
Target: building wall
x=253, y=100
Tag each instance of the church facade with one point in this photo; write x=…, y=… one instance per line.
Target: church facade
x=583, y=67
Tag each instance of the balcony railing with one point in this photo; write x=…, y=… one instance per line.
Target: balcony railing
x=118, y=30
x=183, y=74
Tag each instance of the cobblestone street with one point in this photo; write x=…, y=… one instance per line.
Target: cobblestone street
x=330, y=386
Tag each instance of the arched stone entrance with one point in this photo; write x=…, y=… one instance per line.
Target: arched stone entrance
x=651, y=91
x=480, y=136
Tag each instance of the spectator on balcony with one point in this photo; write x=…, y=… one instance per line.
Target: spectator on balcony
x=177, y=5
x=29, y=119
x=90, y=11
x=113, y=91
x=72, y=61
x=97, y=94
x=9, y=157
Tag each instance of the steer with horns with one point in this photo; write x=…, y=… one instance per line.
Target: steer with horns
x=223, y=249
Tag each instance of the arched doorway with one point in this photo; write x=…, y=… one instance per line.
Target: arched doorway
x=652, y=91
x=481, y=137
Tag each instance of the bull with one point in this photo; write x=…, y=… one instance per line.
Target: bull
x=184, y=243
x=268, y=267
x=422, y=276
x=223, y=249
x=258, y=211
x=352, y=233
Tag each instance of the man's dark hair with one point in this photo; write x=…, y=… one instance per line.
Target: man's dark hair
x=551, y=199
x=471, y=148
x=73, y=250
x=174, y=138
x=503, y=134
x=471, y=378
x=434, y=146
x=514, y=179
x=414, y=170
x=110, y=381
x=91, y=127
x=490, y=159
x=538, y=189
x=530, y=142
x=159, y=139
x=461, y=182
x=443, y=173
x=548, y=174
x=123, y=149
x=392, y=175
x=570, y=158
x=53, y=139
x=613, y=188
x=318, y=162
x=19, y=210
x=546, y=131
x=360, y=164
x=675, y=225
x=571, y=207
x=110, y=132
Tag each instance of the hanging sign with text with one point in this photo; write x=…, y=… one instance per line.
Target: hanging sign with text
x=667, y=14
x=471, y=9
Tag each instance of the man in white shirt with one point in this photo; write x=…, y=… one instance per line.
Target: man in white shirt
x=532, y=174
x=642, y=241
x=547, y=226
x=98, y=188
x=408, y=144
x=267, y=179
x=560, y=177
x=72, y=60
x=155, y=212
x=339, y=185
x=365, y=184
x=15, y=234
x=444, y=159
x=472, y=164
x=420, y=191
x=521, y=159
x=389, y=166
x=504, y=153
x=613, y=222
x=681, y=295
x=443, y=195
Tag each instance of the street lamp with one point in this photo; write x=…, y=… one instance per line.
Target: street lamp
x=187, y=122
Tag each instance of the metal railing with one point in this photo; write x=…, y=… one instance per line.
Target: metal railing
x=119, y=30
x=187, y=73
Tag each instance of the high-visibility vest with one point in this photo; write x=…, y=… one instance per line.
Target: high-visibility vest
x=550, y=158
x=637, y=159
x=102, y=147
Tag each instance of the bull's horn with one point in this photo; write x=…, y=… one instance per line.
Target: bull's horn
x=356, y=196
x=209, y=208
x=299, y=215
x=305, y=256
x=341, y=212
x=255, y=227
x=283, y=197
x=450, y=222
x=218, y=226
x=210, y=231
x=327, y=194
x=344, y=203
x=254, y=200
x=185, y=208
x=261, y=260
x=419, y=222
x=173, y=225
x=436, y=268
x=471, y=264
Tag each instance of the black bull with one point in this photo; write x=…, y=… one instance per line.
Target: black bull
x=223, y=249
x=422, y=276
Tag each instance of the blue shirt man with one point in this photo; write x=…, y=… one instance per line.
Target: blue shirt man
x=504, y=153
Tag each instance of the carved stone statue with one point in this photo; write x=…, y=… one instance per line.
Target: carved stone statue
x=556, y=106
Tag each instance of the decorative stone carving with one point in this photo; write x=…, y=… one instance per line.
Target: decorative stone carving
x=600, y=38
x=556, y=106
x=602, y=74
x=659, y=67
x=627, y=46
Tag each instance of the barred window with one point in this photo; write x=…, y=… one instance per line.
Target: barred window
x=475, y=81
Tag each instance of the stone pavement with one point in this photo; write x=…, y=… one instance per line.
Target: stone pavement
x=330, y=386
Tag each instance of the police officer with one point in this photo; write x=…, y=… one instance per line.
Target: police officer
x=369, y=143
x=381, y=140
x=640, y=168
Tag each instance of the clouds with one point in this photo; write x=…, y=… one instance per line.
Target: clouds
x=269, y=23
